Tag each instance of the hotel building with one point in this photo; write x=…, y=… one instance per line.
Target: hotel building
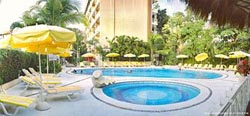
x=110, y=18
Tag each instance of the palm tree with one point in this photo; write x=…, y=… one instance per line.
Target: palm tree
x=59, y=12
x=54, y=12
x=155, y=42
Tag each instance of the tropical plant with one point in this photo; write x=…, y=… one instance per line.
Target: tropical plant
x=156, y=42
x=186, y=34
x=54, y=12
x=79, y=47
x=16, y=25
x=162, y=18
x=172, y=32
x=126, y=44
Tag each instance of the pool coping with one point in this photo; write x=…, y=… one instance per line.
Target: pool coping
x=205, y=94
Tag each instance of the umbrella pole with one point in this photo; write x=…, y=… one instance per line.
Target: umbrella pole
x=143, y=66
x=129, y=62
x=41, y=104
x=40, y=69
x=113, y=71
x=54, y=67
x=144, y=62
x=47, y=64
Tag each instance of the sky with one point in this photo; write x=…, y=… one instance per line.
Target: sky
x=172, y=6
x=12, y=10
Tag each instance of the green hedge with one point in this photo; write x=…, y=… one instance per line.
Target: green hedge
x=12, y=61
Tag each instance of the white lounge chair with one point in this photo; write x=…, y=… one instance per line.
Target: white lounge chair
x=231, y=68
x=35, y=73
x=45, y=80
x=14, y=101
x=31, y=84
x=68, y=91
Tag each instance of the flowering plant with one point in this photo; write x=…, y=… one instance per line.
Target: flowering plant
x=243, y=67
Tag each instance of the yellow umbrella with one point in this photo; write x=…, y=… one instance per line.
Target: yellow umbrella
x=233, y=56
x=201, y=57
x=112, y=55
x=221, y=56
x=240, y=54
x=87, y=55
x=182, y=57
x=65, y=54
x=130, y=56
x=42, y=35
x=46, y=50
x=39, y=37
x=143, y=56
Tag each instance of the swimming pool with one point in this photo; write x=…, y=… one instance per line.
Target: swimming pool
x=151, y=72
x=151, y=93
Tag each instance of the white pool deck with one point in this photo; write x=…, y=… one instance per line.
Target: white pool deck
x=221, y=90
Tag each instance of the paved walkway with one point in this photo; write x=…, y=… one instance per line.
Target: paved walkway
x=221, y=90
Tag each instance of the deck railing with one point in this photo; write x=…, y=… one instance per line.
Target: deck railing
x=236, y=106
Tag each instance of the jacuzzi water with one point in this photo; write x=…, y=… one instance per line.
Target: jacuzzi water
x=151, y=93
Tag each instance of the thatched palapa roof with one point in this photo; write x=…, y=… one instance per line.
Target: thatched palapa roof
x=233, y=12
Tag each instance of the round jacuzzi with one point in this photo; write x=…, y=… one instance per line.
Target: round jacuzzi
x=152, y=96
x=151, y=93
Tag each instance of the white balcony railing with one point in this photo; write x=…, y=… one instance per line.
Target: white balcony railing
x=237, y=105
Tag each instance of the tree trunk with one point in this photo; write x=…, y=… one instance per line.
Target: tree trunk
x=152, y=56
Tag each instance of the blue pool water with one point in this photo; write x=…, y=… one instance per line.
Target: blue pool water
x=151, y=93
x=151, y=72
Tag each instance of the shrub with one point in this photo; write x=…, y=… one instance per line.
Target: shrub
x=12, y=61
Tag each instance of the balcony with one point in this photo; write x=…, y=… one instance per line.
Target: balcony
x=89, y=7
x=154, y=23
x=94, y=3
x=154, y=11
x=97, y=30
x=98, y=15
